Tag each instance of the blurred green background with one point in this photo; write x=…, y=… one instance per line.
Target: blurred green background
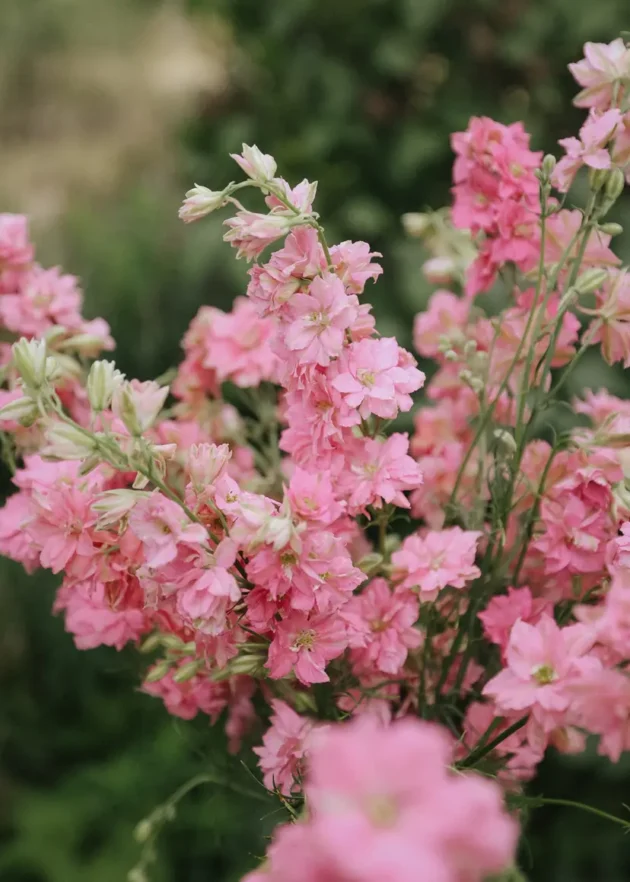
x=109, y=112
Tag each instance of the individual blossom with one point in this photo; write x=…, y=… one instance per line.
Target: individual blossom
x=250, y=233
x=312, y=497
x=374, y=379
x=387, y=619
x=304, y=645
x=504, y=610
x=589, y=149
x=319, y=320
x=16, y=250
x=430, y=562
x=199, y=202
x=284, y=748
x=573, y=535
x=161, y=525
x=258, y=166
x=380, y=471
x=611, y=318
x=605, y=66
x=352, y=263
x=442, y=323
x=93, y=620
x=542, y=660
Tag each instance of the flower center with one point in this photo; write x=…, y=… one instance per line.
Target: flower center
x=366, y=377
x=382, y=810
x=544, y=674
x=304, y=640
x=378, y=625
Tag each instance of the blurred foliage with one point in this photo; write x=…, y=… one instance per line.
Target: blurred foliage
x=360, y=95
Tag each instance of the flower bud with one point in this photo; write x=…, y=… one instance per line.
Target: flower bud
x=614, y=184
x=505, y=440
x=548, y=165
x=371, y=563
x=416, y=224
x=137, y=875
x=112, y=505
x=29, y=357
x=201, y=201
x=153, y=642
x=611, y=229
x=138, y=404
x=206, y=463
x=591, y=280
x=158, y=671
x=22, y=410
x=258, y=166
x=597, y=177
x=187, y=671
x=143, y=831
x=102, y=381
x=64, y=441
x=439, y=270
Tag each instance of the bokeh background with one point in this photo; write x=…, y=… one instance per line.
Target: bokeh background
x=109, y=112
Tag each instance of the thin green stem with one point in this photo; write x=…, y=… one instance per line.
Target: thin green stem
x=480, y=752
x=536, y=801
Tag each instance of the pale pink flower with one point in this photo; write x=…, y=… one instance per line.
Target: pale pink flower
x=436, y=559
x=504, y=610
x=542, y=660
x=372, y=379
x=305, y=644
x=600, y=704
x=574, y=535
x=604, y=65
x=352, y=262
x=387, y=620
x=16, y=250
x=611, y=318
x=444, y=319
x=379, y=471
x=589, y=149
x=257, y=165
x=285, y=745
x=138, y=404
x=207, y=589
x=312, y=496
x=319, y=320
x=45, y=298
x=161, y=526
x=94, y=621
x=251, y=233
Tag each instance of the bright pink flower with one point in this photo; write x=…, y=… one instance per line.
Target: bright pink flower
x=161, y=526
x=542, y=660
x=285, y=745
x=574, y=535
x=387, y=619
x=590, y=149
x=305, y=644
x=16, y=250
x=430, y=562
x=604, y=65
x=370, y=376
x=380, y=471
x=319, y=320
x=208, y=589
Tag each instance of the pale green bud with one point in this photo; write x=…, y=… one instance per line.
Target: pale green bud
x=22, y=410
x=159, y=671
x=416, y=224
x=64, y=441
x=371, y=563
x=615, y=184
x=597, y=177
x=187, y=671
x=29, y=357
x=143, y=831
x=102, y=382
x=611, y=229
x=548, y=165
x=591, y=280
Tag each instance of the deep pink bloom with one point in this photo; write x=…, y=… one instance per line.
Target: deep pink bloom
x=305, y=644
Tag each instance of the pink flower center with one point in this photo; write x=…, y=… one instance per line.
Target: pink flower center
x=382, y=810
x=544, y=675
x=366, y=377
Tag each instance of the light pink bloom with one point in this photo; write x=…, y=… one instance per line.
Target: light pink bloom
x=161, y=526
x=574, y=535
x=445, y=317
x=251, y=233
x=387, y=620
x=186, y=699
x=542, y=660
x=504, y=610
x=604, y=65
x=16, y=250
x=590, y=149
x=352, y=262
x=430, y=562
x=312, y=496
x=257, y=165
x=319, y=320
x=374, y=379
x=94, y=621
x=285, y=745
x=379, y=471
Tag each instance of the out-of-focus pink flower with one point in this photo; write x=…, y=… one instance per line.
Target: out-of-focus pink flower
x=16, y=250
x=603, y=66
x=285, y=744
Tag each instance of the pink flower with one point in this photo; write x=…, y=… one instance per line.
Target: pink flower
x=208, y=589
x=285, y=745
x=574, y=535
x=380, y=471
x=601, y=705
x=604, y=65
x=251, y=233
x=305, y=644
x=445, y=317
x=93, y=620
x=352, y=262
x=312, y=497
x=611, y=325
x=542, y=660
x=387, y=620
x=372, y=379
x=590, y=149
x=138, y=404
x=504, y=610
x=439, y=558
x=44, y=298
x=16, y=250
x=161, y=526
x=319, y=321
x=185, y=700
x=257, y=165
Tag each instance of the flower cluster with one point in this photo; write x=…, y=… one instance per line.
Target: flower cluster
x=274, y=541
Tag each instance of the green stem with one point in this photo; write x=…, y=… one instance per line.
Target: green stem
x=479, y=752
x=536, y=801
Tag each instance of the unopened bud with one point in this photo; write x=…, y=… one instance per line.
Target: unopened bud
x=439, y=270
x=22, y=410
x=201, y=201
x=158, y=671
x=597, y=177
x=112, y=505
x=548, y=165
x=591, y=280
x=187, y=671
x=137, y=875
x=371, y=563
x=152, y=643
x=64, y=441
x=102, y=381
x=416, y=224
x=611, y=229
x=29, y=357
x=138, y=404
x=143, y=831
x=505, y=440
x=259, y=166
x=614, y=184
